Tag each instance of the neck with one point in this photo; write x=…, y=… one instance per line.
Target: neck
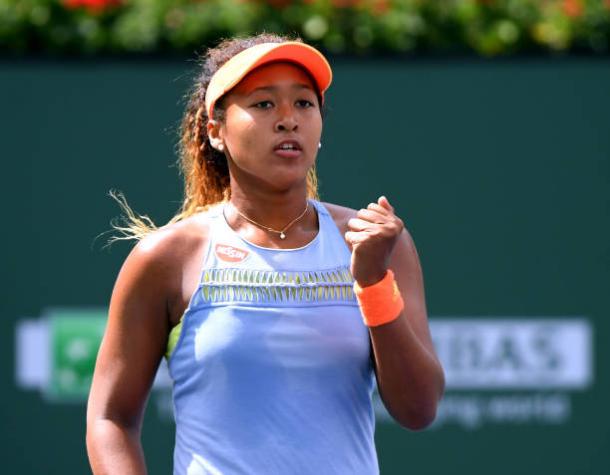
x=275, y=209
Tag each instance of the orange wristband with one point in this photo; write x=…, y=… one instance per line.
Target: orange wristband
x=381, y=302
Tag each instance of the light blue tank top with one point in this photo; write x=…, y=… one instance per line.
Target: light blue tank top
x=272, y=371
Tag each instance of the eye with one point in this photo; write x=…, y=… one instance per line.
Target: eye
x=305, y=103
x=263, y=105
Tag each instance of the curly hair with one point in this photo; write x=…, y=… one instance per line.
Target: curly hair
x=205, y=169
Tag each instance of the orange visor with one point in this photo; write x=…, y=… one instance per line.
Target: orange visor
x=234, y=70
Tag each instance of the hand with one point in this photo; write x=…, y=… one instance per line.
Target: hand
x=372, y=235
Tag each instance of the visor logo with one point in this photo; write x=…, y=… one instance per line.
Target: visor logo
x=227, y=253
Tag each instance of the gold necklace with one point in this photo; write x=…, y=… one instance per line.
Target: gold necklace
x=281, y=232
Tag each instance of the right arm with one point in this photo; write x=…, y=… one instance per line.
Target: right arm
x=132, y=347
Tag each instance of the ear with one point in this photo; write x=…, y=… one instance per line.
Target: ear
x=215, y=134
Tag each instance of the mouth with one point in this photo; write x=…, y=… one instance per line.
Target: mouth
x=291, y=145
x=288, y=149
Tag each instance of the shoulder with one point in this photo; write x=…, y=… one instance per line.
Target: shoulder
x=340, y=215
x=169, y=246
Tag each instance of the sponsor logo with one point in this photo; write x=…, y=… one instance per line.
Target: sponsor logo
x=510, y=371
x=55, y=354
x=227, y=253
x=515, y=354
x=499, y=371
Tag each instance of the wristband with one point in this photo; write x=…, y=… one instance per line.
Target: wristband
x=381, y=302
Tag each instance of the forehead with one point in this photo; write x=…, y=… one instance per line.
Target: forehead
x=274, y=74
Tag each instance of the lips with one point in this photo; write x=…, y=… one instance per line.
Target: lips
x=288, y=149
x=292, y=145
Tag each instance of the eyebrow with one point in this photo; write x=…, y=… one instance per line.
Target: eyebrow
x=275, y=88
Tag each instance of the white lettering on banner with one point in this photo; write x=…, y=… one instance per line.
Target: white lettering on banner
x=473, y=411
x=514, y=354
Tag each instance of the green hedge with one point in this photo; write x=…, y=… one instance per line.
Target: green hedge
x=488, y=27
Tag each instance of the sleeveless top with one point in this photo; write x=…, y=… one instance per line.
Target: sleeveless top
x=271, y=363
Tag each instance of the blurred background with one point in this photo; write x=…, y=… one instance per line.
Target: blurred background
x=485, y=122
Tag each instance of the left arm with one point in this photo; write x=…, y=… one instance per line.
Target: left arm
x=409, y=376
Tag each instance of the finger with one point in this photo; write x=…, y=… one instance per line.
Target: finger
x=383, y=201
x=372, y=216
x=353, y=237
x=378, y=208
x=355, y=224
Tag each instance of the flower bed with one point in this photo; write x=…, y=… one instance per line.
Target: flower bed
x=487, y=27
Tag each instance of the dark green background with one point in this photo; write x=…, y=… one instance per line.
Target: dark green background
x=499, y=169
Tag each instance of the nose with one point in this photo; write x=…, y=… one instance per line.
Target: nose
x=287, y=121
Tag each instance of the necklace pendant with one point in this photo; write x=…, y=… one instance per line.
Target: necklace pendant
x=282, y=235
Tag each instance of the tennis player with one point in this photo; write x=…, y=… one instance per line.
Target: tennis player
x=275, y=311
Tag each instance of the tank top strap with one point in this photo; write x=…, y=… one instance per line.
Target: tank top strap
x=333, y=248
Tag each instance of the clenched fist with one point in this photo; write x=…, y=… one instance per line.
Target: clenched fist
x=372, y=235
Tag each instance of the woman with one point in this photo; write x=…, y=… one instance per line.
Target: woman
x=275, y=311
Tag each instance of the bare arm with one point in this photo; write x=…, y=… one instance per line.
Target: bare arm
x=133, y=344
x=409, y=376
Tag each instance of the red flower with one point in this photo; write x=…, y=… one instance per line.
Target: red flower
x=573, y=8
x=92, y=6
x=380, y=7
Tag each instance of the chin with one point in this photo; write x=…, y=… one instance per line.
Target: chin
x=286, y=183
